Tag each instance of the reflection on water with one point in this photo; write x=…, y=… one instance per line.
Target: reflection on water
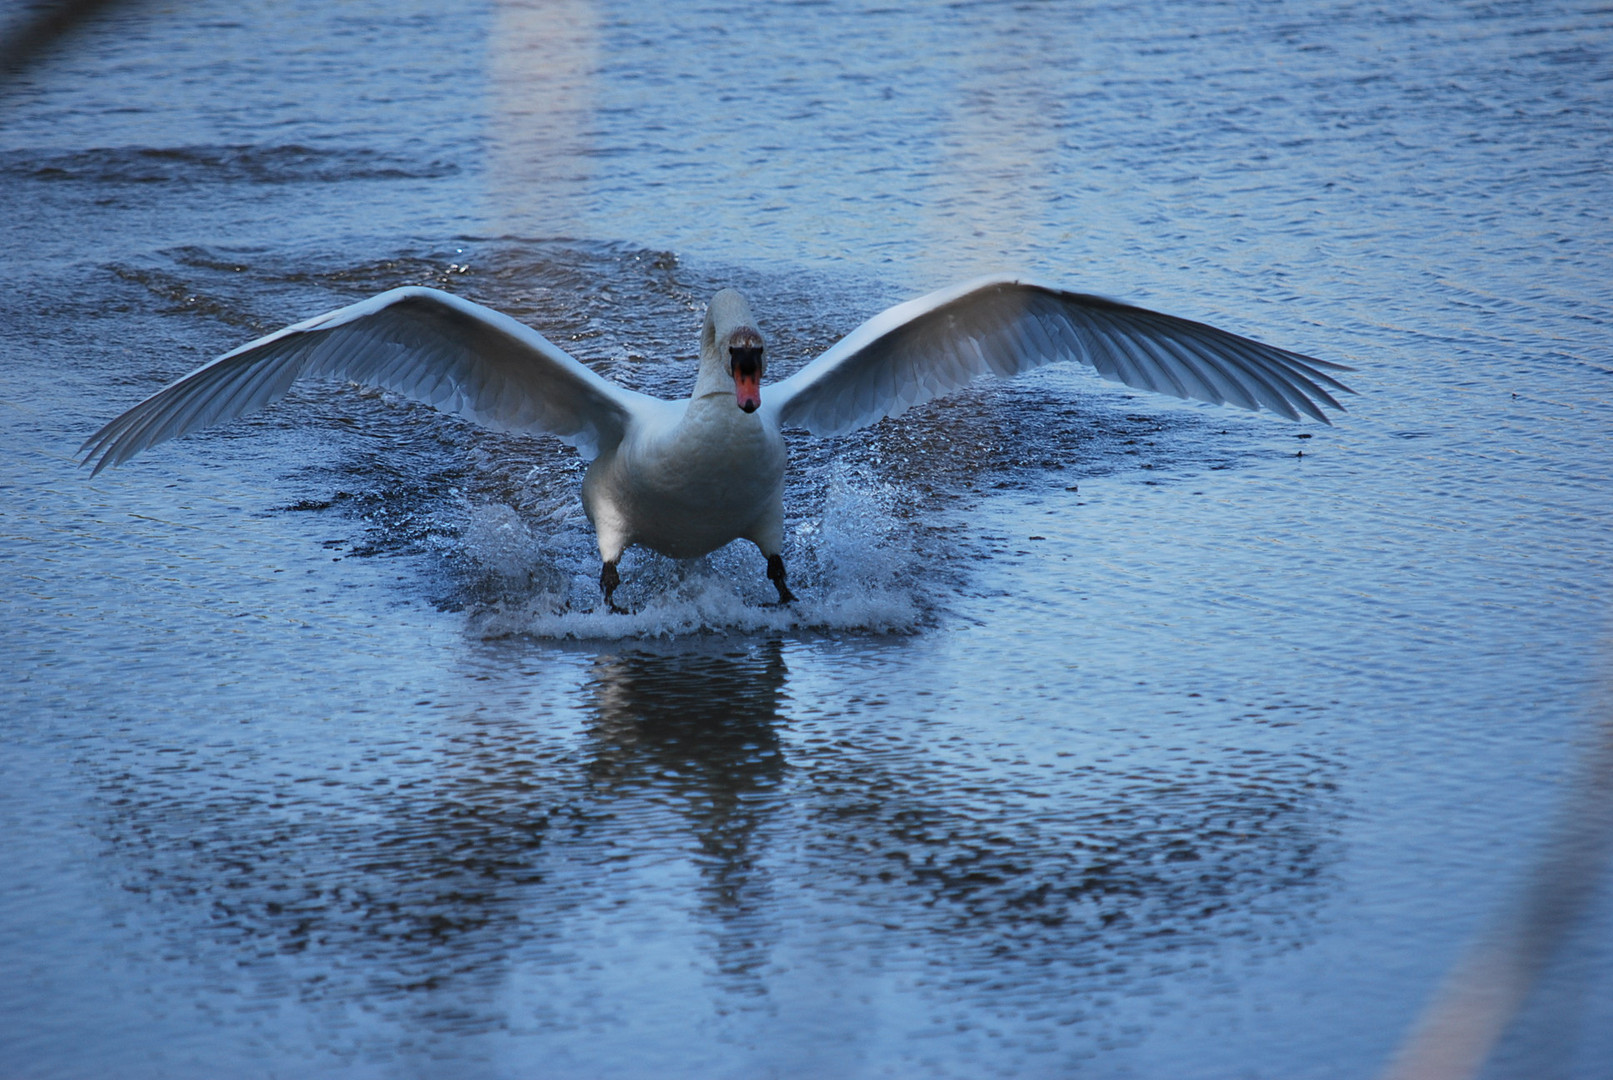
x=396, y=873
x=1068, y=872
x=698, y=729
x=701, y=727
x=418, y=875
x=435, y=860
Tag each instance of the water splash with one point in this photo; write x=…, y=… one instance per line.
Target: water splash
x=850, y=565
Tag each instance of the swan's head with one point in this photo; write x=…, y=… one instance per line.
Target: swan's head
x=732, y=348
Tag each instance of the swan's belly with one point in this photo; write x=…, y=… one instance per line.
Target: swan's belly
x=694, y=489
x=686, y=528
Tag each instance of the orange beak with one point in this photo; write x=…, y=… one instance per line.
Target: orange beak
x=748, y=390
x=745, y=364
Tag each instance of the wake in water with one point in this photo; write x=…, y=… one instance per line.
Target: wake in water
x=851, y=566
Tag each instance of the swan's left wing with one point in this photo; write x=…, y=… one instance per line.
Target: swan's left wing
x=927, y=347
x=428, y=345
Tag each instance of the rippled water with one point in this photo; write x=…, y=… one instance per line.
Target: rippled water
x=1113, y=736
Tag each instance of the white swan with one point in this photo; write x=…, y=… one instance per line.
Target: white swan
x=687, y=477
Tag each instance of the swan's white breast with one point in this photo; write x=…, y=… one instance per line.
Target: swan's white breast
x=694, y=479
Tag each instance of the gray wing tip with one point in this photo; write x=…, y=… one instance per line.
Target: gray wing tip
x=1325, y=366
x=98, y=449
x=1316, y=412
x=95, y=461
x=101, y=451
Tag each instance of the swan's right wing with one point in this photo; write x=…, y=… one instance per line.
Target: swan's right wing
x=927, y=347
x=425, y=344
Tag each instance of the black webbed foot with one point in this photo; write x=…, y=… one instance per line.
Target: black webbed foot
x=775, y=574
x=608, y=581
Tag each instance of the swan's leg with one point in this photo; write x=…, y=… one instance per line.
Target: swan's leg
x=610, y=524
x=768, y=535
x=608, y=580
x=775, y=574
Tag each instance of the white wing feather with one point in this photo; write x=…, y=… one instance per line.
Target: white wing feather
x=428, y=345
x=920, y=350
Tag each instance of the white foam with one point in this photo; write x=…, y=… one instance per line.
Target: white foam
x=850, y=568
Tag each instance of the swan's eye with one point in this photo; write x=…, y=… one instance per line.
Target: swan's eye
x=745, y=360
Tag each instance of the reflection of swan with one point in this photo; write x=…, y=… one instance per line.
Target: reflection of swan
x=685, y=478
x=700, y=723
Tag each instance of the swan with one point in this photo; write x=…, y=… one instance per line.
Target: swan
x=687, y=477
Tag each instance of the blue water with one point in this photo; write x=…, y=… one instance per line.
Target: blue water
x=1113, y=736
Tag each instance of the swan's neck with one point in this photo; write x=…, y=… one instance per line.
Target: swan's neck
x=714, y=377
x=730, y=352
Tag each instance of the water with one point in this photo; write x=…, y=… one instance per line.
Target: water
x=1113, y=736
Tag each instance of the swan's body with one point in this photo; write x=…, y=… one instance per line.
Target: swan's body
x=685, y=478
x=677, y=489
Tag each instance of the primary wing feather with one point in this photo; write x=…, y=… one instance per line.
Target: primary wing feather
x=927, y=347
x=425, y=344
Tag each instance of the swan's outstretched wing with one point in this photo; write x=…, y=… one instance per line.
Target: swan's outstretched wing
x=428, y=345
x=927, y=347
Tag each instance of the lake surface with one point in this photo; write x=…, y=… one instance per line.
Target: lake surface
x=1113, y=736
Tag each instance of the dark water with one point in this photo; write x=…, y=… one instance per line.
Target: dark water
x=1113, y=736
